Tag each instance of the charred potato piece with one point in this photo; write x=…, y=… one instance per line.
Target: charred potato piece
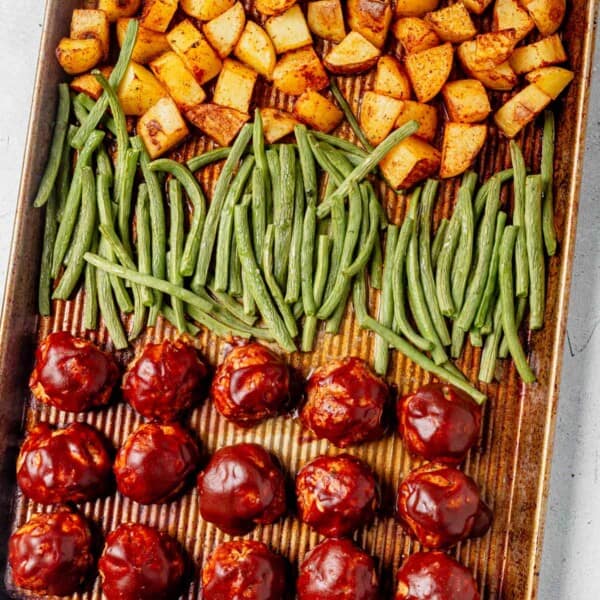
x=378, y=114
x=521, y=109
x=326, y=19
x=115, y=9
x=88, y=84
x=415, y=8
x=425, y=114
x=157, y=14
x=79, y=56
x=273, y=7
x=221, y=123
x=415, y=34
x=547, y=14
x=277, y=124
x=139, y=90
x=509, y=14
x=544, y=53
x=371, y=18
x=429, y=70
x=289, y=30
x=477, y=6
x=148, y=45
x=551, y=80
x=487, y=50
x=205, y=10
x=256, y=49
x=224, y=32
x=461, y=144
x=162, y=127
x=298, y=71
x=452, y=23
x=391, y=79
x=317, y=111
x=466, y=101
x=87, y=23
x=235, y=86
x=354, y=54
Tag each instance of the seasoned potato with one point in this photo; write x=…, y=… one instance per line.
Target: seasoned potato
x=371, y=18
x=415, y=8
x=288, y=30
x=391, y=79
x=378, y=114
x=461, y=144
x=139, y=90
x=157, y=14
x=412, y=160
x=298, y=71
x=317, y=111
x=235, y=86
x=162, y=127
x=551, y=80
x=326, y=19
x=88, y=84
x=477, y=6
x=425, y=114
x=415, y=34
x=273, y=7
x=221, y=123
x=87, y=23
x=256, y=49
x=115, y=9
x=466, y=101
x=224, y=32
x=501, y=78
x=544, y=53
x=522, y=108
x=277, y=124
x=79, y=56
x=429, y=69
x=354, y=54
x=487, y=50
x=148, y=45
x=547, y=14
x=205, y=10
x=509, y=14
x=452, y=23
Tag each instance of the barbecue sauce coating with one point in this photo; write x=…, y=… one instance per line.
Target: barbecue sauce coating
x=71, y=464
x=155, y=462
x=51, y=553
x=439, y=423
x=164, y=380
x=141, y=563
x=250, y=385
x=336, y=494
x=337, y=570
x=435, y=575
x=72, y=374
x=346, y=403
x=440, y=506
x=244, y=570
x=241, y=487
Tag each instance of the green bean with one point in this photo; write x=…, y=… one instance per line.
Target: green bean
x=520, y=173
x=248, y=304
x=443, y=269
x=144, y=251
x=521, y=307
x=307, y=166
x=108, y=310
x=489, y=355
x=337, y=159
x=235, y=271
x=349, y=114
x=84, y=101
x=124, y=197
x=341, y=144
x=368, y=247
x=452, y=368
x=63, y=180
x=535, y=251
x=259, y=208
x=104, y=163
x=139, y=315
x=334, y=322
x=283, y=211
x=438, y=241
x=547, y=173
x=274, y=173
x=176, y=248
x=208, y=158
x=309, y=230
x=457, y=340
x=319, y=282
x=475, y=338
x=233, y=307
x=50, y=228
x=376, y=266
x=90, y=305
x=488, y=324
x=480, y=198
x=224, y=325
x=294, y=277
x=79, y=110
x=322, y=158
x=169, y=314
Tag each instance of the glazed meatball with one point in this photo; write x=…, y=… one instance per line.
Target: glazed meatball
x=72, y=374
x=336, y=494
x=427, y=575
x=346, y=403
x=440, y=506
x=250, y=385
x=244, y=569
x=141, y=563
x=155, y=462
x=337, y=570
x=439, y=423
x=240, y=488
x=164, y=380
x=51, y=553
x=71, y=464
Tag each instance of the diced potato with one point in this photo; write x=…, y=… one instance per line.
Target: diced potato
x=522, y=108
x=87, y=23
x=429, y=69
x=224, y=32
x=79, y=56
x=477, y=6
x=298, y=71
x=178, y=80
x=378, y=114
x=195, y=51
x=221, y=123
x=501, y=78
x=148, y=45
x=466, y=101
x=115, y=9
x=415, y=34
x=235, y=86
x=509, y=14
x=461, y=144
x=326, y=19
x=317, y=111
x=205, y=10
x=354, y=54
x=487, y=50
x=162, y=127
x=547, y=14
x=256, y=49
x=551, y=80
x=452, y=23
x=544, y=53
x=273, y=7
x=425, y=114
x=277, y=124
x=371, y=18
x=89, y=85
x=157, y=14
x=288, y=30
x=391, y=79
x=415, y=8
x=411, y=161
x=139, y=90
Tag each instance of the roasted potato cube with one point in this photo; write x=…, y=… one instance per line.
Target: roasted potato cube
x=547, y=14
x=354, y=54
x=425, y=114
x=326, y=19
x=139, y=90
x=509, y=14
x=157, y=14
x=89, y=85
x=415, y=34
x=371, y=18
x=273, y=7
x=195, y=51
x=115, y=9
x=501, y=77
x=256, y=49
x=221, y=123
x=391, y=79
x=224, y=32
x=205, y=10
x=378, y=114
x=487, y=50
x=162, y=127
x=235, y=86
x=466, y=101
x=429, y=69
x=277, y=124
x=452, y=23
x=522, y=108
x=551, y=80
x=79, y=56
x=415, y=8
x=317, y=111
x=298, y=71
x=178, y=80
x=548, y=51
x=477, y=6
x=87, y=23
x=148, y=45
x=461, y=144
x=288, y=30
x=412, y=160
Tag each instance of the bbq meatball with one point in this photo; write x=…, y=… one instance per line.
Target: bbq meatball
x=71, y=464
x=336, y=494
x=155, y=462
x=51, y=553
x=250, y=385
x=164, y=380
x=440, y=506
x=345, y=403
x=427, y=575
x=72, y=374
x=337, y=570
x=141, y=563
x=241, y=487
x=439, y=423
x=244, y=569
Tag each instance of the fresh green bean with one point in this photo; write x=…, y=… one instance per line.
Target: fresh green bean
x=323, y=159
x=458, y=340
x=341, y=144
x=376, y=266
x=309, y=230
x=307, y=166
x=368, y=247
x=274, y=176
x=233, y=306
x=320, y=281
x=139, y=315
x=547, y=173
x=535, y=251
x=176, y=248
x=259, y=208
x=520, y=173
x=79, y=110
x=104, y=163
x=349, y=114
x=90, y=305
x=283, y=211
x=336, y=158
x=248, y=303
x=124, y=197
x=50, y=228
x=235, y=271
x=481, y=197
x=488, y=324
x=489, y=355
x=438, y=241
x=144, y=251
x=521, y=307
x=63, y=180
x=294, y=277
x=443, y=269
x=84, y=101
x=208, y=158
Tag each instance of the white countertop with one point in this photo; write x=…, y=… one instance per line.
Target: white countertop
x=571, y=559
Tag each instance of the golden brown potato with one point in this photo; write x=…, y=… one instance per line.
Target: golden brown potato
x=452, y=23
x=391, y=79
x=415, y=34
x=162, y=127
x=115, y=9
x=317, y=111
x=277, y=124
x=157, y=14
x=87, y=23
x=509, y=14
x=415, y=8
x=412, y=160
x=378, y=114
x=477, y=6
x=224, y=32
x=298, y=71
x=273, y=7
x=522, y=108
x=461, y=144
x=547, y=14
x=354, y=54
x=288, y=30
x=221, y=123
x=551, y=80
x=548, y=51
x=256, y=49
x=205, y=10
x=326, y=19
x=235, y=86
x=88, y=84
x=139, y=90
x=425, y=114
x=148, y=45
x=501, y=78
x=79, y=56
x=487, y=50
x=371, y=18
x=466, y=101
x=429, y=69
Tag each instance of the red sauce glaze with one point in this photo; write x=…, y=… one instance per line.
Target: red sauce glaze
x=141, y=563
x=337, y=570
x=155, y=462
x=241, y=487
x=336, y=494
x=72, y=374
x=440, y=506
x=51, y=553
x=244, y=570
x=439, y=423
x=435, y=576
x=346, y=403
x=250, y=385
x=164, y=380
x=71, y=464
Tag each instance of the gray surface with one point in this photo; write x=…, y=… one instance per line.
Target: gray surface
x=572, y=541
